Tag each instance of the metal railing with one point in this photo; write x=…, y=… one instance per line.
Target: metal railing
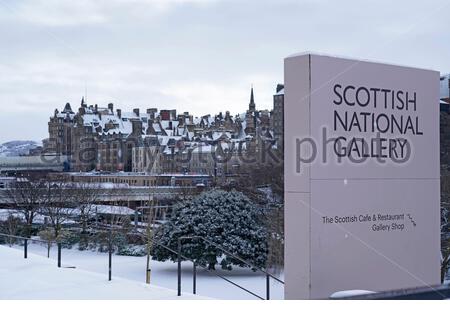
x=267, y=274
x=235, y=256
x=194, y=276
x=25, y=245
x=180, y=256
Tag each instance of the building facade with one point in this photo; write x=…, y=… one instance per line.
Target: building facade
x=278, y=115
x=159, y=142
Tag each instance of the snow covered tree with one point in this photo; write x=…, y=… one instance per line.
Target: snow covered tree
x=226, y=218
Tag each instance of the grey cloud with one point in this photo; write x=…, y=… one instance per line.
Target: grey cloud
x=200, y=56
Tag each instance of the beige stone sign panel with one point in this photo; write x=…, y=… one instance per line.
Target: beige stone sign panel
x=361, y=176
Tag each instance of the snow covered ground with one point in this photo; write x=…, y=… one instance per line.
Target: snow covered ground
x=39, y=278
x=164, y=274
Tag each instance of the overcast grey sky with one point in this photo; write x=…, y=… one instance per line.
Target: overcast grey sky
x=199, y=56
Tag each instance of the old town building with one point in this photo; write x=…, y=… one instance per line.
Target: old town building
x=159, y=142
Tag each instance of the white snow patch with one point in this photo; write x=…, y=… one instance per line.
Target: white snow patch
x=349, y=293
x=164, y=274
x=39, y=278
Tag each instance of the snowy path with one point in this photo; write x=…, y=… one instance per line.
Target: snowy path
x=164, y=274
x=39, y=278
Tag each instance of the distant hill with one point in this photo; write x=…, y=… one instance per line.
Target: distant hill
x=17, y=148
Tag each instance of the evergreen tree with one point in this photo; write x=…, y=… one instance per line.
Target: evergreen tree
x=226, y=218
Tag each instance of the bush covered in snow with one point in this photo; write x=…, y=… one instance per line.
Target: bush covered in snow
x=132, y=250
x=226, y=218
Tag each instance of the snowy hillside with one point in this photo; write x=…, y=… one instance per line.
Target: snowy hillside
x=40, y=278
x=17, y=148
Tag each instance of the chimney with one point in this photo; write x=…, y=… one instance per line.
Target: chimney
x=136, y=127
x=180, y=119
x=173, y=114
x=280, y=87
x=136, y=111
x=165, y=115
x=149, y=125
x=119, y=113
x=111, y=107
x=151, y=112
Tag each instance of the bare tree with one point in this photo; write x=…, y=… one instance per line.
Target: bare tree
x=111, y=230
x=445, y=221
x=275, y=231
x=59, y=205
x=11, y=226
x=263, y=182
x=27, y=197
x=445, y=264
x=150, y=235
x=260, y=173
x=85, y=197
x=48, y=236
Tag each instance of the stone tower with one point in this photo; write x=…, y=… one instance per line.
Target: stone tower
x=251, y=105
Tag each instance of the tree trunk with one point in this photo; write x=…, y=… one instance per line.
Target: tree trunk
x=28, y=229
x=444, y=268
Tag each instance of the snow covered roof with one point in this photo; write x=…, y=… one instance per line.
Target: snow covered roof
x=121, y=125
x=126, y=174
x=156, y=127
x=204, y=149
x=279, y=93
x=5, y=213
x=220, y=135
x=207, y=129
x=62, y=115
x=114, y=210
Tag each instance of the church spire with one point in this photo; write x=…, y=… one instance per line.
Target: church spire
x=251, y=105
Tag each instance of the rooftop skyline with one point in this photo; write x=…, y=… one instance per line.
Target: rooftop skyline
x=191, y=55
